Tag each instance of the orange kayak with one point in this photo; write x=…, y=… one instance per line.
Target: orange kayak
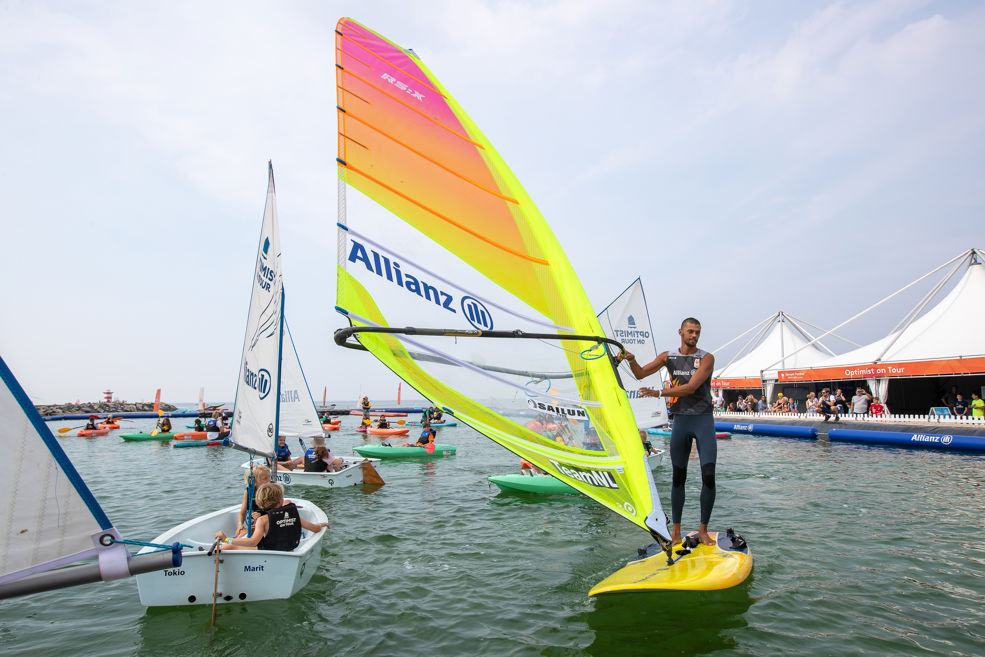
x=88, y=433
x=190, y=435
x=108, y=425
x=387, y=432
x=334, y=426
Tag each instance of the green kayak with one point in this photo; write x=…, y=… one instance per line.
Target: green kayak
x=133, y=437
x=544, y=484
x=384, y=452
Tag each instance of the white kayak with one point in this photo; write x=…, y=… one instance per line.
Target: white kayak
x=244, y=575
x=354, y=472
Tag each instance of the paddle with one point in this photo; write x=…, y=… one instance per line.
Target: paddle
x=67, y=429
x=156, y=431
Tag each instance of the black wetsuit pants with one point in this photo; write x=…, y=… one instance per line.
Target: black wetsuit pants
x=687, y=429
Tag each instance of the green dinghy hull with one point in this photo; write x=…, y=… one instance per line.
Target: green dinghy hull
x=521, y=483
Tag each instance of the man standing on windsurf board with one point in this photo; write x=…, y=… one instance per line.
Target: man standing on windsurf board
x=690, y=406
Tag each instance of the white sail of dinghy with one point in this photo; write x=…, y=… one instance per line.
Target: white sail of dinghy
x=51, y=518
x=256, y=411
x=298, y=415
x=627, y=320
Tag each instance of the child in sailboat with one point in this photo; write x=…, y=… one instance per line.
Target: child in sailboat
x=283, y=454
x=318, y=458
x=261, y=475
x=279, y=528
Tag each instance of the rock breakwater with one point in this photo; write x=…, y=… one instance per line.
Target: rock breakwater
x=101, y=408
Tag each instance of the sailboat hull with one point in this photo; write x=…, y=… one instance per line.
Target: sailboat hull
x=351, y=474
x=244, y=575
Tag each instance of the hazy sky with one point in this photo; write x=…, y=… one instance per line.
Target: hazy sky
x=742, y=157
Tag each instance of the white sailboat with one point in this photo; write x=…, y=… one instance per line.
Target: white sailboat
x=52, y=521
x=299, y=420
x=246, y=575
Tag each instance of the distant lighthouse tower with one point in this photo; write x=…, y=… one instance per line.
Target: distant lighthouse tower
x=108, y=395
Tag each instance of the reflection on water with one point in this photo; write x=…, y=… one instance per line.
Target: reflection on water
x=668, y=623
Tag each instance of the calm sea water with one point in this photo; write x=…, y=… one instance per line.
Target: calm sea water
x=858, y=551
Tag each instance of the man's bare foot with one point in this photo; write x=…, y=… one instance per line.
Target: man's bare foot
x=704, y=537
x=675, y=534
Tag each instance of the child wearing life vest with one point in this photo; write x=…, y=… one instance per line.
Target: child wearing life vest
x=279, y=528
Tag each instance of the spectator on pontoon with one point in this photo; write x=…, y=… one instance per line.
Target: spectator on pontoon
x=810, y=404
x=860, y=402
x=877, y=408
x=841, y=402
x=951, y=397
x=828, y=405
x=960, y=407
x=762, y=405
x=977, y=405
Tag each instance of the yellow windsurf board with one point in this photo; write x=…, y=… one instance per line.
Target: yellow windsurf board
x=705, y=568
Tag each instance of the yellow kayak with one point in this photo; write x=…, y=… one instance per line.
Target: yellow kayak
x=704, y=568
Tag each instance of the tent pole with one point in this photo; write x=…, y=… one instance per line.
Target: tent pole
x=912, y=315
x=754, y=340
x=875, y=305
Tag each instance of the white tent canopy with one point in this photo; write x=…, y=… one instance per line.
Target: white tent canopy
x=938, y=341
x=780, y=337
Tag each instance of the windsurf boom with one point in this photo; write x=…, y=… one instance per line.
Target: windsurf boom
x=438, y=232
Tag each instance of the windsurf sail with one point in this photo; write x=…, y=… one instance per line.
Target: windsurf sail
x=256, y=412
x=627, y=320
x=298, y=415
x=441, y=252
x=50, y=517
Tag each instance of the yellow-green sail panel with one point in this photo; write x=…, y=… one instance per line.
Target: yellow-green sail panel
x=442, y=235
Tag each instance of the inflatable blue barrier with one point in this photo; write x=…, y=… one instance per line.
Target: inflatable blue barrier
x=925, y=440
x=779, y=430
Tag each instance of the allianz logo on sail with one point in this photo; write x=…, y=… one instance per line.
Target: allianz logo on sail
x=597, y=478
x=474, y=311
x=259, y=381
x=290, y=396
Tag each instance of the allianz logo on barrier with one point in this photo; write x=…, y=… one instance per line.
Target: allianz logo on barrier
x=929, y=438
x=474, y=311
